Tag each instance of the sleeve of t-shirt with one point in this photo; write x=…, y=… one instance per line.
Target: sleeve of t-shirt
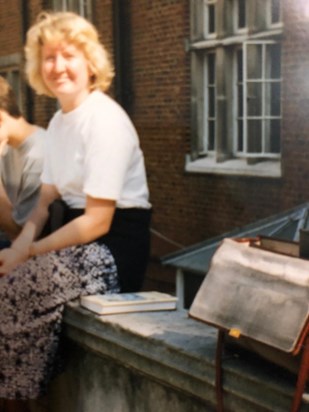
x=46, y=176
x=109, y=148
x=29, y=192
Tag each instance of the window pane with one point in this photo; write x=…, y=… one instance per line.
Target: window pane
x=211, y=19
x=254, y=130
x=211, y=68
x=81, y=7
x=211, y=101
x=272, y=99
x=275, y=11
x=240, y=101
x=240, y=140
x=211, y=135
x=59, y=5
x=274, y=56
x=254, y=61
x=211, y=85
x=74, y=5
x=240, y=85
x=241, y=14
x=274, y=136
x=240, y=75
x=254, y=99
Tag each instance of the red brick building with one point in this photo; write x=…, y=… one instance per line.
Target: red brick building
x=219, y=93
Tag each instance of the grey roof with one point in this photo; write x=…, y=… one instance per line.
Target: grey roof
x=285, y=225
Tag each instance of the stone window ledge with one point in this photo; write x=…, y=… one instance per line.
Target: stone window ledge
x=239, y=167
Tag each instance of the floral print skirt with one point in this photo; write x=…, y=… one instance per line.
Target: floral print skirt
x=32, y=300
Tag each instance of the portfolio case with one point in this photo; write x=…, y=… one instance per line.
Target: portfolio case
x=259, y=297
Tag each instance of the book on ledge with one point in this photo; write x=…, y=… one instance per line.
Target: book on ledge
x=128, y=302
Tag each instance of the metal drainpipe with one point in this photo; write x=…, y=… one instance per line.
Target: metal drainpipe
x=122, y=53
x=24, y=27
x=117, y=52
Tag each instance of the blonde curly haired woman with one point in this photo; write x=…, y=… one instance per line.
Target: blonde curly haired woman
x=94, y=164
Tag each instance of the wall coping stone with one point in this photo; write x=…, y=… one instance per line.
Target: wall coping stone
x=178, y=351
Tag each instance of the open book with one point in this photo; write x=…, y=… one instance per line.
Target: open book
x=128, y=302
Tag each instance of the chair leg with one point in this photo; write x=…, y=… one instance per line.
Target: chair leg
x=219, y=388
x=38, y=405
x=302, y=377
x=12, y=405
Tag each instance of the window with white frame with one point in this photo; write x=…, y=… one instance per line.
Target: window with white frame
x=274, y=12
x=82, y=7
x=236, y=86
x=208, y=143
x=204, y=15
x=239, y=15
x=209, y=18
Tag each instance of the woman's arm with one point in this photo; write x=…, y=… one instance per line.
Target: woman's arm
x=20, y=248
x=7, y=223
x=37, y=220
x=95, y=222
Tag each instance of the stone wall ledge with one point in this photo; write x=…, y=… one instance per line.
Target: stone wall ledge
x=171, y=351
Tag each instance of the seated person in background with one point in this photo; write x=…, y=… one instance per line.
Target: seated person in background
x=21, y=163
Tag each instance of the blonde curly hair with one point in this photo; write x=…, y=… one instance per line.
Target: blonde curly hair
x=74, y=29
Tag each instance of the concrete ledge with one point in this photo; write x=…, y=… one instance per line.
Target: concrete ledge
x=168, y=354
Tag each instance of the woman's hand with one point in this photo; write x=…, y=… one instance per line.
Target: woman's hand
x=10, y=258
x=23, y=246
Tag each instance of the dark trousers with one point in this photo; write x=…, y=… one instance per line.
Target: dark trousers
x=128, y=240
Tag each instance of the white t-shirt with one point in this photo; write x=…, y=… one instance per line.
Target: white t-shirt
x=94, y=150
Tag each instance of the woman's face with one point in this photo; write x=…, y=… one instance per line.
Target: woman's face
x=65, y=71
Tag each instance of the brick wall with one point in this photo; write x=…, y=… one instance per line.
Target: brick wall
x=10, y=27
x=295, y=130
x=161, y=108
x=189, y=208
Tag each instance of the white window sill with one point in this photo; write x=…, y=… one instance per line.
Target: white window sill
x=268, y=168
